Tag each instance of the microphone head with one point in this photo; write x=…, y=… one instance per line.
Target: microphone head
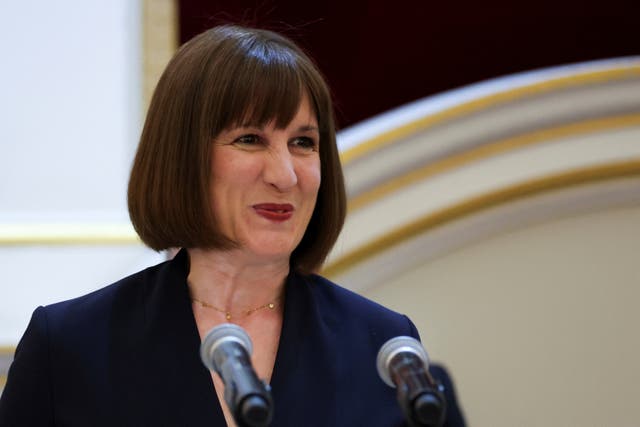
x=227, y=332
x=394, y=346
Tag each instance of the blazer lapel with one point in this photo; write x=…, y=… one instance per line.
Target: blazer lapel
x=307, y=370
x=165, y=361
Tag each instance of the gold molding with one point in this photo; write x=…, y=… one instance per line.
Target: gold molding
x=482, y=202
x=488, y=150
x=159, y=42
x=67, y=234
x=5, y=351
x=581, y=79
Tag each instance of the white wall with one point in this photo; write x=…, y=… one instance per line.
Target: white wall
x=70, y=114
x=70, y=108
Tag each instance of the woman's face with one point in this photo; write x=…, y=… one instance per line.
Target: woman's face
x=265, y=183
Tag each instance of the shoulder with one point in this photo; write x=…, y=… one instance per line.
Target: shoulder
x=78, y=334
x=97, y=301
x=88, y=314
x=349, y=308
x=325, y=289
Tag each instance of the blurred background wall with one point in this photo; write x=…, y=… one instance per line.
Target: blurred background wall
x=496, y=206
x=71, y=106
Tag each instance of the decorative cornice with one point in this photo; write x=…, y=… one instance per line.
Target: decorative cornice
x=505, y=195
x=67, y=234
x=622, y=72
x=489, y=150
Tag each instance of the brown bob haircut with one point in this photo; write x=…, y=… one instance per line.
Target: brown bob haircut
x=227, y=76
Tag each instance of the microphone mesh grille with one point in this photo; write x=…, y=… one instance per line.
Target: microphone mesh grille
x=394, y=346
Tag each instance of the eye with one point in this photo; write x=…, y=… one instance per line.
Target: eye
x=304, y=143
x=248, y=139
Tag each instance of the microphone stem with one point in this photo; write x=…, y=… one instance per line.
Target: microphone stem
x=419, y=395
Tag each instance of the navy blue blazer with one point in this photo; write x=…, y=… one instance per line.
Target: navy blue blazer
x=128, y=355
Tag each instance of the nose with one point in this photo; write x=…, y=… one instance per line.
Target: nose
x=279, y=169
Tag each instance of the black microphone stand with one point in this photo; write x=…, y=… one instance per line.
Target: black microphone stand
x=420, y=397
x=226, y=350
x=248, y=398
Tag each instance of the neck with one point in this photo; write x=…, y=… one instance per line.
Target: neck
x=233, y=281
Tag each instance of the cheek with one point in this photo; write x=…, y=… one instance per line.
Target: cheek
x=232, y=171
x=222, y=184
x=312, y=177
x=222, y=165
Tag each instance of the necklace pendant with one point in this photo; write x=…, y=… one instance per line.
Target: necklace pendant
x=228, y=316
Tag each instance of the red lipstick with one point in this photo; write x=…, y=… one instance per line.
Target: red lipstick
x=274, y=211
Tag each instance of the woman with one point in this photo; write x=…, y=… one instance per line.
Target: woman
x=237, y=165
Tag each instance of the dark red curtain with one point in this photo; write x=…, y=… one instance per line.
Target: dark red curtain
x=380, y=54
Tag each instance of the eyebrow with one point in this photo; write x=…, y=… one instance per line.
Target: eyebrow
x=304, y=128
x=308, y=128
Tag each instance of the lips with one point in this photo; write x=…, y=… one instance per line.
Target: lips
x=274, y=211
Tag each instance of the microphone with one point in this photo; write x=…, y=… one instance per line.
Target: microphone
x=403, y=363
x=226, y=350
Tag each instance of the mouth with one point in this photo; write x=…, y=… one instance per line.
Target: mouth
x=274, y=211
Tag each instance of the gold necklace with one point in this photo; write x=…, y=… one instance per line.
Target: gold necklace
x=227, y=314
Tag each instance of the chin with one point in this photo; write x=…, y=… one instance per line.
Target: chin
x=271, y=250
